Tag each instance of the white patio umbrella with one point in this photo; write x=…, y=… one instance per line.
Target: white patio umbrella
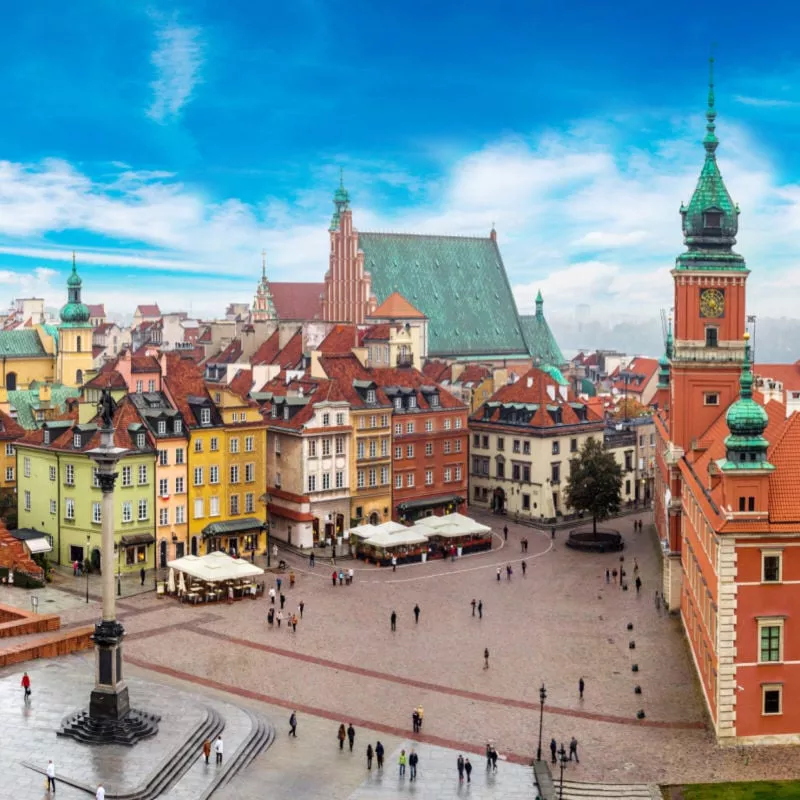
x=171, y=581
x=181, y=583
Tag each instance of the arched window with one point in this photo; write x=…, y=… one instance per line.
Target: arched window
x=79, y=377
x=11, y=381
x=78, y=343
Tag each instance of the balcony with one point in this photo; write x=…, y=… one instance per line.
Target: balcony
x=405, y=360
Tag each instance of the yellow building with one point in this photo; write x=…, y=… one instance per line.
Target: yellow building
x=10, y=432
x=75, y=362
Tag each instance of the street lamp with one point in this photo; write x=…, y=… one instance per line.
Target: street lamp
x=86, y=566
x=265, y=500
x=119, y=571
x=542, y=698
x=562, y=762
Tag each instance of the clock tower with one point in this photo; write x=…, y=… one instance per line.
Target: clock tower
x=708, y=349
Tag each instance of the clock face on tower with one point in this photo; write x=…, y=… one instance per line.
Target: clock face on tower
x=712, y=303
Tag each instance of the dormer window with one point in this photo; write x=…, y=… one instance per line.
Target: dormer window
x=140, y=441
x=162, y=427
x=178, y=426
x=205, y=416
x=274, y=411
x=370, y=395
x=286, y=412
x=47, y=437
x=712, y=219
x=76, y=440
x=398, y=404
x=435, y=400
x=412, y=401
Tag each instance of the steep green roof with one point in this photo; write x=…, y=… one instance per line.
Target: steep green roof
x=21, y=343
x=541, y=343
x=26, y=403
x=458, y=282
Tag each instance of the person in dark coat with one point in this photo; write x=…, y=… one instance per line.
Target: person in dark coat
x=142, y=574
x=505, y=532
x=581, y=687
x=553, y=751
x=416, y=614
x=460, y=768
x=524, y=568
x=379, y=754
x=415, y=721
x=573, y=750
x=480, y=609
x=468, y=769
x=351, y=735
x=413, y=760
x=494, y=759
x=474, y=603
x=393, y=620
x=293, y=724
x=341, y=736
x=369, y=756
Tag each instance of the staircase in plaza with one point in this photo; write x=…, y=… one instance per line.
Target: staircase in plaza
x=577, y=790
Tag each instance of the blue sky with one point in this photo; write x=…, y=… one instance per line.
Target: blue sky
x=170, y=144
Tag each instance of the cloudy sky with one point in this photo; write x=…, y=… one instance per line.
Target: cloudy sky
x=169, y=144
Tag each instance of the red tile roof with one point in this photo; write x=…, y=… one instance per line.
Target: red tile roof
x=110, y=379
x=787, y=374
x=395, y=306
x=784, y=499
x=413, y=378
x=104, y=327
x=149, y=310
x=646, y=367
x=241, y=383
x=97, y=310
x=267, y=350
x=300, y=301
x=183, y=379
x=377, y=333
x=437, y=371
x=341, y=339
x=230, y=355
x=291, y=356
x=9, y=428
x=473, y=373
x=205, y=336
x=144, y=363
x=344, y=369
x=97, y=350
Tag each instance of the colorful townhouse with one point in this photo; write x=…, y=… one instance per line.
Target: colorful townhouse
x=10, y=433
x=59, y=496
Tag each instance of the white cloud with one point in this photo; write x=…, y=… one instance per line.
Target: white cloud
x=765, y=102
x=177, y=60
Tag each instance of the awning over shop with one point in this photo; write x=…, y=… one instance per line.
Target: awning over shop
x=368, y=530
x=232, y=526
x=137, y=538
x=407, y=536
x=427, y=502
x=452, y=526
x=215, y=567
x=35, y=541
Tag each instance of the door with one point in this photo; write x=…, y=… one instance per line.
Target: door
x=162, y=554
x=180, y=549
x=194, y=545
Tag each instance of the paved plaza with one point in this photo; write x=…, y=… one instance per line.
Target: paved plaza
x=559, y=623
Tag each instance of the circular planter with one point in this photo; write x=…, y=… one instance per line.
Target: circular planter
x=603, y=541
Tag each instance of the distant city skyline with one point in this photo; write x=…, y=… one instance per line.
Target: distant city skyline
x=169, y=147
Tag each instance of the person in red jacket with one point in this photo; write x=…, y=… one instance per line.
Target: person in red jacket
x=26, y=685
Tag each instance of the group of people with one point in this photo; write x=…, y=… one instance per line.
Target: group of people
x=573, y=750
x=276, y=616
x=345, y=577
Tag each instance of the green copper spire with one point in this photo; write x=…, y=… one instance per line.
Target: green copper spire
x=341, y=200
x=74, y=313
x=664, y=363
x=746, y=447
x=539, y=304
x=711, y=220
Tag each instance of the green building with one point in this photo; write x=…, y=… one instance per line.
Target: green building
x=58, y=495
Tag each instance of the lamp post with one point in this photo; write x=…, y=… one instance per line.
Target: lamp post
x=86, y=562
x=119, y=571
x=542, y=698
x=265, y=500
x=562, y=763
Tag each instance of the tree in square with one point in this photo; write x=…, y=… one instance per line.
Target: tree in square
x=594, y=484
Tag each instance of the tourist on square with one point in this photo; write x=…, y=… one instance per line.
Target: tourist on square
x=271, y=616
x=301, y=605
x=230, y=595
x=311, y=559
x=416, y=614
x=341, y=736
x=219, y=749
x=207, y=749
x=51, y=775
x=581, y=687
x=413, y=760
x=75, y=567
x=474, y=603
x=275, y=551
x=294, y=623
x=494, y=759
x=394, y=563
x=421, y=716
x=401, y=763
x=505, y=533
x=351, y=735
x=635, y=566
x=369, y=756
x=638, y=584
x=379, y=754
x=283, y=600
x=279, y=618
x=142, y=574
x=524, y=568
x=468, y=770
x=553, y=751
x=508, y=572
x=486, y=658
x=460, y=768
x=608, y=576
x=278, y=581
x=333, y=577
x=100, y=794
x=341, y=577
x=291, y=578
x=488, y=756
x=480, y=609
x=293, y=724
x=415, y=721
x=25, y=683
x=393, y=620
x=553, y=532
x=272, y=595
x=573, y=750
x=498, y=574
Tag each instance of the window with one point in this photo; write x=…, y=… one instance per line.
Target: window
x=515, y=446
x=360, y=449
x=476, y=440
x=556, y=448
x=143, y=511
x=409, y=427
x=711, y=398
x=627, y=487
x=398, y=481
x=163, y=458
x=9, y=473
x=180, y=515
x=214, y=444
x=770, y=636
x=199, y=508
x=770, y=566
x=501, y=468
x=179, y=455
x=326, y=447
x=526, y=448
x=628, y=460
x=142, y=474
x=213, y=506
x=434, y=401
x=53, y=507
x=52, y=473
x=573, y=445
x=26, y=467
x=384, y=420
x=139, y=387
x=234, y=444
x=429, y=477
x=372, y=477
x=277, y=444
x=249, y=473
x=312, y=483
x=27, y=500
x=340, y=419
x=373, y=448
x=163, y=487
x=398, y=404
x=446, y=446
x=162, y=427
x=412, y=401
x=9, y=449
x=76, y=440
x=96, y=513
x=69, y=475
x=398, y=429
x=340, y=479
x=458, y=445
x=69, y=508
x=384, y=476
x=410, y=451
x=501, y=443
x=555, y=473
x=526, y=474
x=234, y=504
x=371, y=396
x=198, y=476
x=234, y=473
x=127, y=476
x=151, y=385
x=447, y=424
x=526, y=502
x=428, y=448
x=127, y=511
x=180, y=487
x=205, y=416
x=198, y=445
x=711, y=336
x=163, y=516
x=248, y=444
x=428, y=425
x=326, y=419
x=410, y=479
x=458, y=473
x=712, y=219
x=249, y=503
x=398, y=452
x=384, y=447
x=360, y=479
x=177, y=426
x=448, y=474
x=458, y=423
x=771, y=699
x=516, y=471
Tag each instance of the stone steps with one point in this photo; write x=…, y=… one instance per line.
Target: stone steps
x=577, y=790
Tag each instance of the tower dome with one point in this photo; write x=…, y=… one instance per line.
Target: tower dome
x=74, y=313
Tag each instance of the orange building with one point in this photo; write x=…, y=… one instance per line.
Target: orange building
x=726, y=505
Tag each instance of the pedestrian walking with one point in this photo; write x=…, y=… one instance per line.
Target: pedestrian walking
x=415, y=721
x=350, y=575
x=379, y=754
x=394, y=563
x=553, y=751
x=421, y=715
x=341, y=736
x=468, y=770
x=608, y=576
x=333, y=577
x=474, y=603
x=219, y=749
x=401, y=763
x=283, y=600
x=272, y=595
x=293, y=724
x=486, y=658
x=51, y=775
x=369, y=756
x=291, y=579
x=658, y=601
x=581, y=687
x=26, y=687
x=416, y=614
x=301, y=605
x=393, y=620
x=230, y=595
x=75, y=568
x=207, y=749
x=498, y=574
x=480, y=609
x=141, y=575
x=488, y=756
x=508, y=572
x=279, y=581
x=494, y=759
x=635, y=566
x=351, y=735
x=294, y=623
x=524, y=568
x=279, y=618
x=271, y=616
x=460, y=768
x=310, y=559
x=553, y=532
x=341, y=577
x=573, y=750
x=505, y=533
x=275, y=551
x=252, y=556
x=638, y=584
x=413, y=760
x=100, y=794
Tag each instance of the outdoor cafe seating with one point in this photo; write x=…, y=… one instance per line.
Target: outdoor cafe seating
x=212, y=578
